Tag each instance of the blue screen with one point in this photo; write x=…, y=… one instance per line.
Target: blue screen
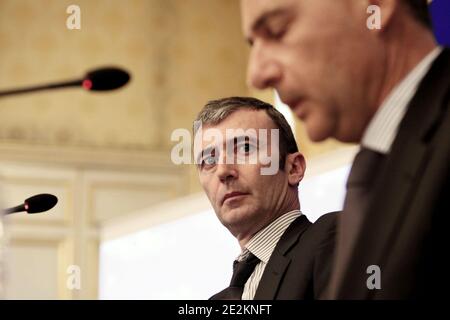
x=440, y=13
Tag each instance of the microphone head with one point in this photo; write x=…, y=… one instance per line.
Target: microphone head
x=105, y=79
x=40, y=203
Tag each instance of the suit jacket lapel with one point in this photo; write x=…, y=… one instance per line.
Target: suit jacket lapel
x=408, y=155
x=279, y=261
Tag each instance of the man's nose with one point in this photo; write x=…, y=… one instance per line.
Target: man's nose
x=226, y=171
x=263, y=70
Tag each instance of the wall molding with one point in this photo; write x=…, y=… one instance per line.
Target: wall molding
x=86, y=157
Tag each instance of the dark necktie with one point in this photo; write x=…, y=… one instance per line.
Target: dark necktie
x=366, y=168
x=241, y=272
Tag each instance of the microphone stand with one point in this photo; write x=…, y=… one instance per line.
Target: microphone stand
x=72, y=83
x=102, y=79
x=19, y=208
x=3, y=245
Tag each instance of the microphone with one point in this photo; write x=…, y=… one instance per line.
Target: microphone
x=35, y=204
x=103, y=79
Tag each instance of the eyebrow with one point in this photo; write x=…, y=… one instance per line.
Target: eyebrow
x=262, y=20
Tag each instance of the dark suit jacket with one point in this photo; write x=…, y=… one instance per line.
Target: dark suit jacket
x=300, y=265
x=403, y=230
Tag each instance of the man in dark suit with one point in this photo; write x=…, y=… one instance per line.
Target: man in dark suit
x=250, y=168
x=369, y=72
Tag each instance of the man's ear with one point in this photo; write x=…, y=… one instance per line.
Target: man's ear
x=387, y=9
x=295, y=167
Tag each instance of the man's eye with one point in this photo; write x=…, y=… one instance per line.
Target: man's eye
x=245, y=148
x=276, y=33
x=209, y=161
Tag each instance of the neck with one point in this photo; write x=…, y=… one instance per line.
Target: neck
x=288, y=204
x=405, y=48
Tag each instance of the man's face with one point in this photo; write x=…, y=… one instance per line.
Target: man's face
x=320, y=57
x=241, y=196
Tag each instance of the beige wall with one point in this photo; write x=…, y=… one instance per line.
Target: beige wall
x=104, y=155
x=180, y=53
x=43, y=246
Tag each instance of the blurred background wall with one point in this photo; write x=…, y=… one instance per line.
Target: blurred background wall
x=106, y=155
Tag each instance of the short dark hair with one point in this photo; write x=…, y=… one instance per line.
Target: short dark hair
x=419, y=10
x=215, y=111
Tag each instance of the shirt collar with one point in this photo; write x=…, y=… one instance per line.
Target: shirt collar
x=264, y=241
x=382, y=129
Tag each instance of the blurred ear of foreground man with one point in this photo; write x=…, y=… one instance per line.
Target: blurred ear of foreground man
x=388, y=89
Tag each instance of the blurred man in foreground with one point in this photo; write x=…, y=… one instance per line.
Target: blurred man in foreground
x=384, y=85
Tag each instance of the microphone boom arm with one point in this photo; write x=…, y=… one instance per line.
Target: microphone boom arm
x=103, y=79
x=72, y=83
x=15, y=209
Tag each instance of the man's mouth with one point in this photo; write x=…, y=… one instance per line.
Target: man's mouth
x=233, y=196
x=297, y=107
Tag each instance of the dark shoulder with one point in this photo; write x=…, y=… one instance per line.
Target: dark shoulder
x=323, y=230
x=316, y=236
x=327, y=221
